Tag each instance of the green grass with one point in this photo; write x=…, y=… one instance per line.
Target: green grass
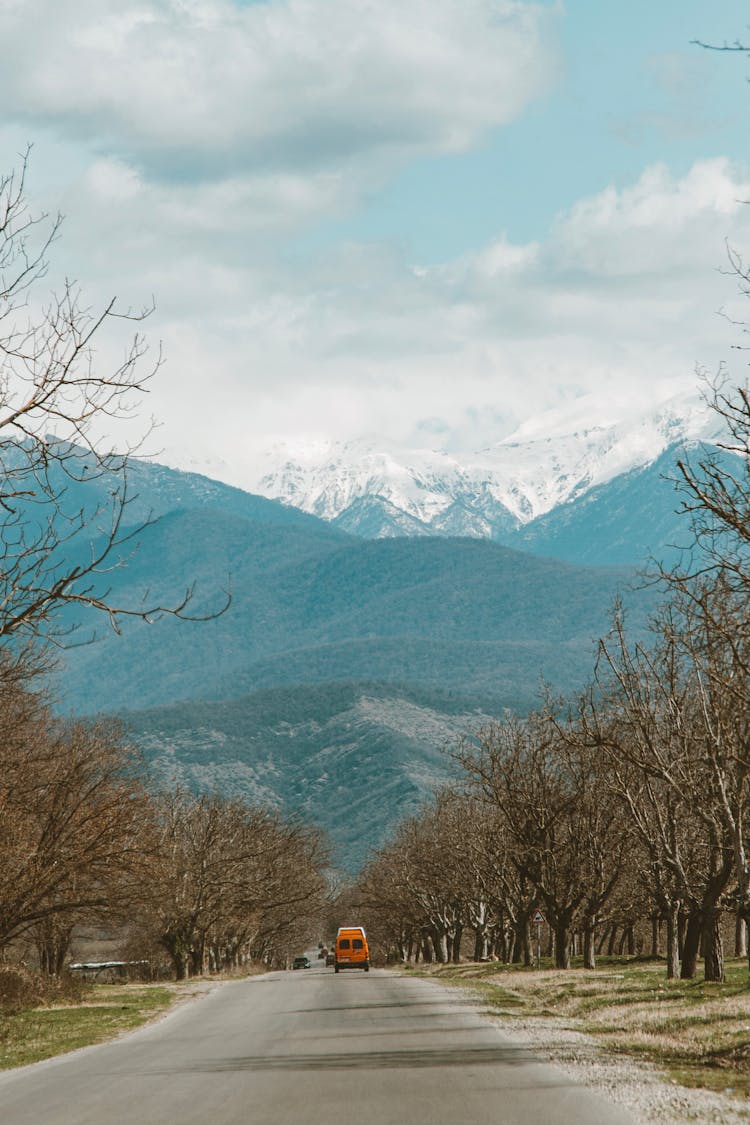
x=107, y=1011
x=698, y=1032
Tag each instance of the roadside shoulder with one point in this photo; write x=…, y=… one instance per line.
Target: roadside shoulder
x=640, y=1086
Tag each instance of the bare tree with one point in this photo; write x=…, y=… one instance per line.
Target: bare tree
x=716, y=495
x=394, y=921
x=417, y=888
x=566, y=842
x=676, y=743
x=735, y=47
x=227, y=880
x=713, y=633
x=60, y=534
x=73, y=813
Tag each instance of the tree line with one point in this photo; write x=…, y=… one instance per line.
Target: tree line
x=625, y=807
x=203, y=882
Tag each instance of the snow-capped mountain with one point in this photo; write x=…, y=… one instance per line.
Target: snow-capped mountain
x=376, y=491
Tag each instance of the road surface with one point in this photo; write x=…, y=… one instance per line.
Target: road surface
x=309, y=1047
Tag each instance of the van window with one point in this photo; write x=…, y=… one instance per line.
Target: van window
x=344, y=943
x=357, y=943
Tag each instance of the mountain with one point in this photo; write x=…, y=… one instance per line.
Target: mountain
x=495, y=494
x=343, y=666
x=154, y=490
x=355, y=757
x=632, y=520
x=396, y=492
x=310, y=605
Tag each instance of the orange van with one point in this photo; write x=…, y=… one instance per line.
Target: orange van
x=351, y=950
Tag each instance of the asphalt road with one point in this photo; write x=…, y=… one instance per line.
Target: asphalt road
x=307, y=1048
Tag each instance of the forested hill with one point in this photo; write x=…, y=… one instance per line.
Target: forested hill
x=354, y=757
x=311, y=606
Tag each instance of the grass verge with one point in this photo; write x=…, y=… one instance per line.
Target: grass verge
x=697, y=1032
x=107, y=1011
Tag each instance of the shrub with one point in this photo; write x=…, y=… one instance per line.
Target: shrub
x=22, y=988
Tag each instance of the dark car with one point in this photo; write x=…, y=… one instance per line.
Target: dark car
x=300, y=963
x=330, y=958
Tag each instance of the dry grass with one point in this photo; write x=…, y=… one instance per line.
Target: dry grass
x=36, y=1033
x=698, y=1032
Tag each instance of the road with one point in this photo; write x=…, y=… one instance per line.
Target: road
x=307, y=1048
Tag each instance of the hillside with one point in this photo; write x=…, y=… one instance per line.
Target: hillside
x=462, y=615
x=353, y=757
x=633, y=520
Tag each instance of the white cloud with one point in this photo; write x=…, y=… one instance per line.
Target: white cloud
x=617, y=304
x=619, y=301
x=658, y=221
x=245, y=210
x=210, y=89
x=621, y=297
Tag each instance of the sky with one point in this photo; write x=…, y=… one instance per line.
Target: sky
x=427, y=222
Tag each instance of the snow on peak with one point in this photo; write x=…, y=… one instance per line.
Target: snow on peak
x=549, y=460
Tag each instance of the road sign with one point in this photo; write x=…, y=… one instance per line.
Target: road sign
x=538, y=918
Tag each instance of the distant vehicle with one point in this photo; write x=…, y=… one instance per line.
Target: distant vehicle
x=322, y=952
x=351, y=950
x=330, y=958
x=300, y=963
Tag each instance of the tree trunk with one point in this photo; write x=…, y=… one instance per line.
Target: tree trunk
x=198, y=960
x=691, y=946
x=180, y=964
x=52, y=956
x=562, y=946
x=53, y=943
x=612, y=940
x=713, y=950
x=480, y=943
x=178, y=944
x=740, y=937
x=440, y=939
x=682, y=919
x=589, y=946
x=655, y=928
x=521, y=941
x=673, y=942
x=456, y=944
